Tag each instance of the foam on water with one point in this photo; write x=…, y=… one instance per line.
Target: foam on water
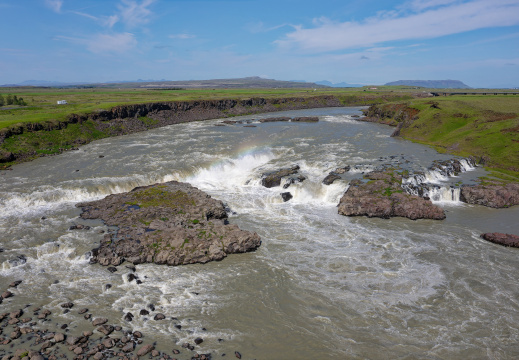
x=52, y=197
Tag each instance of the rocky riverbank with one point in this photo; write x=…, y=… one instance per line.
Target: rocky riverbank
x=79, y=129
x=25, y=334
x=171, y=223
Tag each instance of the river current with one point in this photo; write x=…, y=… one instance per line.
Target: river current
x=320, y=286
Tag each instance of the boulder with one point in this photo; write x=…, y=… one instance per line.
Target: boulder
x=286, y=196
x=171, y=223
x=492, y=195
x=330, y=178
x=6, y=156
x=502, y=239
x=273, y=178
x=99, y=321
x=145, y=349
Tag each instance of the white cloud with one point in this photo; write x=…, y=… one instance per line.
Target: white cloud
x=420, y=5
x=182, y=36
x=92, y=17
x=135, y=13
x=105, y=43
x=110, y=21
x=54, y=5
x=446, y=20
x=260, y=27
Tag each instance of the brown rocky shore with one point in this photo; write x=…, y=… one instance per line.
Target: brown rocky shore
x=493, y=195
x=25, y=334
x=171, y=223
x=508, y=240
x=128, y=119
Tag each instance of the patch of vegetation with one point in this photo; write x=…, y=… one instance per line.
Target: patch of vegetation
x=160, y=196
x=148, y=121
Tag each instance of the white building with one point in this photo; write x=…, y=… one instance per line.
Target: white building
x=62, y=102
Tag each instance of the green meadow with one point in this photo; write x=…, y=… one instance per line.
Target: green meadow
x=486, y=127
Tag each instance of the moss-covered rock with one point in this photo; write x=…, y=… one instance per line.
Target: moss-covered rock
x=172, y=223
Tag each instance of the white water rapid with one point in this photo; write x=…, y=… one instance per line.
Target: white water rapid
x=320, y=286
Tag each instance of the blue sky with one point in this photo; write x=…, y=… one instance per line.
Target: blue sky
x=353, y=41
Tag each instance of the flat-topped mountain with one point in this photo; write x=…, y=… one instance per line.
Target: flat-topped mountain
x=434, y=84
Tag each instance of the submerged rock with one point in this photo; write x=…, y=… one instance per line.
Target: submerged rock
x=274, y=119
x=305, y=119
x=491, y=195
x=172, y=223
x=384, y=197
x=502, y=239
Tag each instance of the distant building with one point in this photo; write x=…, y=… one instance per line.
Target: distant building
x=62, y=102
x=373, y=88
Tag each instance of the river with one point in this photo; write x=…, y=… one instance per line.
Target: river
x=320, y=286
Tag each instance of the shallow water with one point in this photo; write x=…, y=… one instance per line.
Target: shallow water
x=321, y=285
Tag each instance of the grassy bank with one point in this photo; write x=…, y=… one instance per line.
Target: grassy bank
x=483, y=126
x=42, y=102
x=45, y=128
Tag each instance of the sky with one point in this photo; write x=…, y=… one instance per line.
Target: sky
x=352, y=41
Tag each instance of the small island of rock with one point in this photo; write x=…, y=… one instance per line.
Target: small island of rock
x=172, y=223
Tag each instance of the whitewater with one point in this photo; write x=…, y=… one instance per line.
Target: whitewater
x=320, y=286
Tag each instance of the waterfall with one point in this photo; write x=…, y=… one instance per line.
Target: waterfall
x=428, y=184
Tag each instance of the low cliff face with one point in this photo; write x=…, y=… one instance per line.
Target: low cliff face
x=127, y=119
x=390, y=114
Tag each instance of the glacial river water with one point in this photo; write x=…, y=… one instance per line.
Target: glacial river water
x=320, y=286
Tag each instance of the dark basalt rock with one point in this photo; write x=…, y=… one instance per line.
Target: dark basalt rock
x=330, y=178
x=502, y=239
x=6, y=157
x=272, y=179
x=491, y=195
x=383, y=197
x=305, y=119
x=286, y=196
x=189, y=227
x=342, y=170
x=274, y=119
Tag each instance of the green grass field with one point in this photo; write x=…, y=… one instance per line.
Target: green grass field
x=42, y=102
x=483, y=126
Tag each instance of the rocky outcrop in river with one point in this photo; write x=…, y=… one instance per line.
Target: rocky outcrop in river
x=273, y=178
x=491, y=195
x=382, y=196
x=502, y=239
x=171, y=223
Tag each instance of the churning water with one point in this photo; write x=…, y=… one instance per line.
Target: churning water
x=320, y=286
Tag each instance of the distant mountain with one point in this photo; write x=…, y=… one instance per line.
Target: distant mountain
x=338, y=85
x=44, y=83
x=433, y=84
x=247, y=82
